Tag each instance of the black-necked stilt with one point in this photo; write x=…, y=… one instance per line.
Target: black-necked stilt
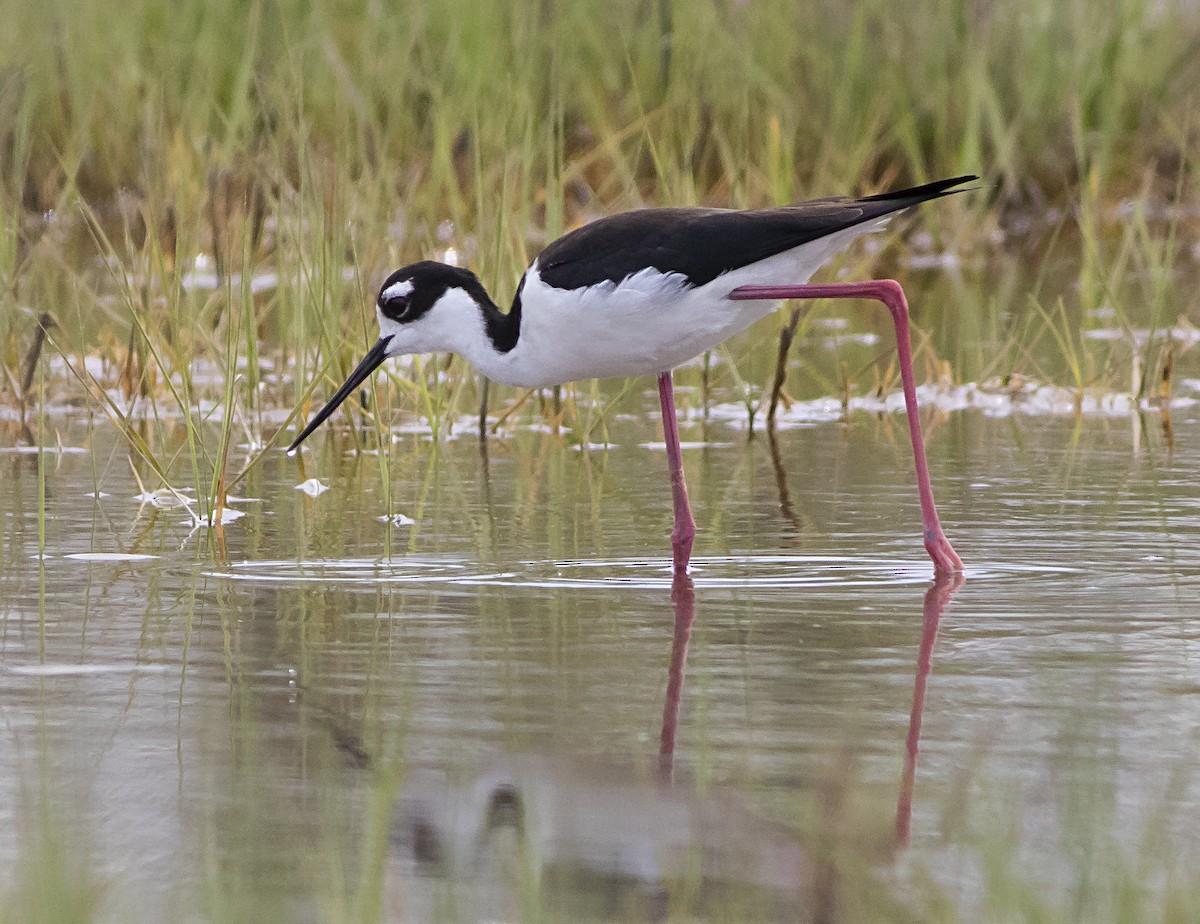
x=639, y=293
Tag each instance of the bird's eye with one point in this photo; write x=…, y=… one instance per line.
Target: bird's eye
x=395, y=306
x=395, y=299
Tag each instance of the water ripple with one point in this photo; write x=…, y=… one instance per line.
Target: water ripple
x=748, y=572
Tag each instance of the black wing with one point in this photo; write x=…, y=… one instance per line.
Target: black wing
x=704, y=243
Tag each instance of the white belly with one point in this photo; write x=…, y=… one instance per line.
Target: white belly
x=647, y=324
x=623, y=330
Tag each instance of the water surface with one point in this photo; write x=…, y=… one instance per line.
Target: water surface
x=505, y=710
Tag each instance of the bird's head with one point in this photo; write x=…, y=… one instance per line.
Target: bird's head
x=421, y=308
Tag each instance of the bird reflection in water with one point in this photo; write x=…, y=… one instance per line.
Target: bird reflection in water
x=683, y=595
x=937, y=598
x=594, y=836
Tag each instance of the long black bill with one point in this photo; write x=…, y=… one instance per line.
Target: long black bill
x=374, y=358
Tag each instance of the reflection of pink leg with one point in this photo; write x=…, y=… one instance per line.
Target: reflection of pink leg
x=937, y=598
x=685, y=527
x=888, y=291
x=684, y=598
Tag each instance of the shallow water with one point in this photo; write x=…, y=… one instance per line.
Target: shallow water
x=505, y=710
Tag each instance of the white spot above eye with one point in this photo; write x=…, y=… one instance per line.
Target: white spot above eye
x=396, y=290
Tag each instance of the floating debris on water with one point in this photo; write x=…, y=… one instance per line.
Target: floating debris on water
x=210, y=281
x=312, y=487
x=1183, y=333
x=695, y=444
x=228, y=515
x=164, y=498
x=946, y=260
x=34, y=450
x=838, y=340
x=995, y=398
x=397, y=519
x=66, y=669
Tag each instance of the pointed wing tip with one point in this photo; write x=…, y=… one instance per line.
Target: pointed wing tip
x=926, y=191
x=952, y=186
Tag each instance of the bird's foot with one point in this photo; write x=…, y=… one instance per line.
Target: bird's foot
x=945, y=559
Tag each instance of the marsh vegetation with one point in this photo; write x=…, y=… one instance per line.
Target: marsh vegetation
x=268, y=719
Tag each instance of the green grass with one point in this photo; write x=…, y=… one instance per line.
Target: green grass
x=330, y=142
x=450, y=105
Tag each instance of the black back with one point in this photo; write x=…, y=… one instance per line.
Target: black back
x=703, y=243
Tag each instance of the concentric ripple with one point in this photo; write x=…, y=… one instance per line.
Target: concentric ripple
x=746, y=572
x=364, y=571
x=765, y=572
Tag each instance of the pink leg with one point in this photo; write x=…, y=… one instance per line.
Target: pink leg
x=888, y=291
x=685, y=526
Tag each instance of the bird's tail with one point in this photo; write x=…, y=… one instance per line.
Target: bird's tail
x=902, y=198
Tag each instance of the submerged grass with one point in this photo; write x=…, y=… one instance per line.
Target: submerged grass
x=53, y=881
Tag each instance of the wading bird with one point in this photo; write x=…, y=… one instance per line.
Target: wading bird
x=641, y=292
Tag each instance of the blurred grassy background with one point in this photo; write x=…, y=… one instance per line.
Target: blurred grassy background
x=151, y=151
x=435, y=105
